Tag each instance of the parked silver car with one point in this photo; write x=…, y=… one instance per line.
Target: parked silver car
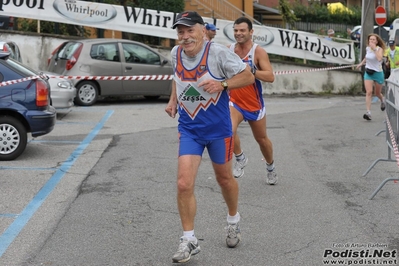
x=111, y=57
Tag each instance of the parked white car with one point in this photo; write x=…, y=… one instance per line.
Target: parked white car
x=63, y=92
x=357, y=30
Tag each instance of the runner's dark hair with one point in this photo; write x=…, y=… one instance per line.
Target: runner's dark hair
x=244, y=20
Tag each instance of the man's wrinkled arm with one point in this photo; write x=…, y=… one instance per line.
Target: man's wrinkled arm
x=171, y=107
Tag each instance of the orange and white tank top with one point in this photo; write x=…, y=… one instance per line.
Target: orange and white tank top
x=248, y=98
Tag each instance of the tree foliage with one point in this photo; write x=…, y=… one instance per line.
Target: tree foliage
x=286, y=12
x=175, y=6
x=32, y=25
x=319, y=13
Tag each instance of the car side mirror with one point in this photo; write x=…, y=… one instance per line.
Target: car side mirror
x=164, y=62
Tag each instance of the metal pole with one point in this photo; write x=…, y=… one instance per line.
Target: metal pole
x=368, y=9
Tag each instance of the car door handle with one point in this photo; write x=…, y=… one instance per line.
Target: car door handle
x=128, y=68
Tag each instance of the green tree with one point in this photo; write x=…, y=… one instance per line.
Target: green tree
x=175, y=6
x=319, y=13
x=31, y=25
x=286, y=12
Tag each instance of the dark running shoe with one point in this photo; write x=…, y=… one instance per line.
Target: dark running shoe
x=367, y=117
x=382, y=106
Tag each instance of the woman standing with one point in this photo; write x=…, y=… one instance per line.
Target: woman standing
x=374, y=74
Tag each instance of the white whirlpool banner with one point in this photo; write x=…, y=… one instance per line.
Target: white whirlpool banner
x=277, y=41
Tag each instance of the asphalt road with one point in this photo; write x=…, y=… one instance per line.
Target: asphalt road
x=100, y=190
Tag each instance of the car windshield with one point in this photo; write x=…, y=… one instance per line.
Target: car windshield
x=21, y=68
x=67, y=50
x=138, y=54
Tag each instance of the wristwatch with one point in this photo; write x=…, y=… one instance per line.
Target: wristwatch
x=253, y=70
x=224, y=85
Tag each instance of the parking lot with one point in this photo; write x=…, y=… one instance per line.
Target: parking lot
x=69, y=152
x=100, y=189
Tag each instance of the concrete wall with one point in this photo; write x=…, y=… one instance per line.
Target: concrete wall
x=36, y=48
x=337, y=81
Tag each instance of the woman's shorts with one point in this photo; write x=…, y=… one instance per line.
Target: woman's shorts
x=376, y=76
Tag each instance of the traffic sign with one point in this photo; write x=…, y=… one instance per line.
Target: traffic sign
x=380, y=15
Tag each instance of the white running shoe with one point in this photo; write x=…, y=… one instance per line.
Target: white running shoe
x=233, y=235
x=239, y=165
x=185, y=250
x=271, y=177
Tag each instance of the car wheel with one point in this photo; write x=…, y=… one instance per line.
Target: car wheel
x=86, y=93
x=152, y=97
x=13, y=138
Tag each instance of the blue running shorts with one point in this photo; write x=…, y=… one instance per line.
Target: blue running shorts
x=250, y=116
x=220, y=151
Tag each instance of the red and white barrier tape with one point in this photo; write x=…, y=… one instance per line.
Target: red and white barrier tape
x=15, y=81
x=140, y=77
x=155, y=77
x=393, y=141
x=285, y=72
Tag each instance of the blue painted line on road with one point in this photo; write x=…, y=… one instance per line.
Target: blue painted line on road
x=28, y=168
x=9, y=215
x=89, y=108
x=56, y=141
x=75, y=123
x=19, y=223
